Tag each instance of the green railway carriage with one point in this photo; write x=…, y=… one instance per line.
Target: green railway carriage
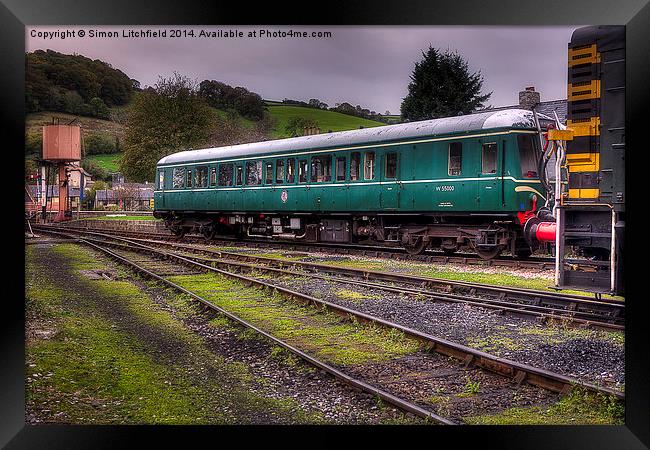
x=459, y=182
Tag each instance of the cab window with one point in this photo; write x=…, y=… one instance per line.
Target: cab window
x=189, y=178
x=527, y=156
x=240, y=175
x=391, y=165
x=268, y=178
x=201, y=177
x=489, y=158
x=355, y=166
x=279, y=171
x=178, y=177
x=321, y=168
x=455, y=161
x=369, y=166
x=340, y=169
x=225, y=175
x=302, y=171
x=213, y=176
x=161, y=180
x=291, y=170
x=253, y=173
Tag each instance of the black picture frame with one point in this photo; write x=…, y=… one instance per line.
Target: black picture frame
x=16, y=14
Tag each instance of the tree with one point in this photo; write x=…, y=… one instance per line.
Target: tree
x=94, y=169
x=167, y=118
x=442, y=86
x=296, y=126
x=99, y=108
x=224, y=97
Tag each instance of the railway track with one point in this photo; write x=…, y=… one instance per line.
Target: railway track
x=516, y=372
x=430, y=256
x=546, y=306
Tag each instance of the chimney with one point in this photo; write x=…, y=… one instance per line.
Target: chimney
x=529, y=98
x=309, y=131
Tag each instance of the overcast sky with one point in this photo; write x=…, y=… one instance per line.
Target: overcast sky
x=368, y=66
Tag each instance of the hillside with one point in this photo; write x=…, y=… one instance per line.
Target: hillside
x=327, y=120
x=34, y=122
x=109, y=162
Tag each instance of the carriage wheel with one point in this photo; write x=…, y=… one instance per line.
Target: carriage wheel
x=179, y=232
x=209, y=232
x=489, y=254
x=416, y=248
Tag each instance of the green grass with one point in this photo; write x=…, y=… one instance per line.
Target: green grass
x=327, y=120
x=319, y=333
x=578, y=408
x=96, y=370
x=247, y=123
x=110, y=162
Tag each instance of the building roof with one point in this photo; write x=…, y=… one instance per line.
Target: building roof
x=486, y=120
x=558, y=106
x=544, y=108
x=53, y=190
x=114, y=194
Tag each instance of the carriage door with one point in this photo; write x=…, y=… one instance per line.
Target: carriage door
x=488, y=185
x=390, y=185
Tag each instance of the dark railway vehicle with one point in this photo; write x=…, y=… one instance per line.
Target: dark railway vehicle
x=466, y=182
x=589, y=211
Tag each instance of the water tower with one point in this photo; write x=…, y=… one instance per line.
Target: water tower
x=61, y=147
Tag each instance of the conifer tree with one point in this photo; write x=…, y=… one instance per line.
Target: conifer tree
x=442, y=86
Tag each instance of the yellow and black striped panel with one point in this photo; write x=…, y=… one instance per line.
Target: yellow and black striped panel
x=583, y=54
x=583, y=117
x=584, y=90
x=584, y=127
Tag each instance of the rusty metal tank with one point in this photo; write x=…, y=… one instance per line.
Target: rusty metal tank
x=62, y=143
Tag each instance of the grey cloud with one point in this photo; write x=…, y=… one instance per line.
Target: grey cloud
x=369, y=66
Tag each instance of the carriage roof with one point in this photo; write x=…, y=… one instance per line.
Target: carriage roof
x=501, y=119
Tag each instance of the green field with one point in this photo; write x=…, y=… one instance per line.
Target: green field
x=109, y=161
x=327, y=120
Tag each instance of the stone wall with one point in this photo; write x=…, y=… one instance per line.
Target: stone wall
x=150, y=226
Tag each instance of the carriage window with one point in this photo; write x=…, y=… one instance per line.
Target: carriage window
x=178, y=177
x=302, y=171
x=527, y=155
x=489, y=158
x=225, y=175
x=269, y=173
x=189, y=178
x=240, y=176
x=279, y=171
x=201, y=177
x=291, y=170
x=455, y=162
x=355, y=166
x=340, y=169
x=253, y=172
x=391, y=165
x=369, y=166
x=213, y=176
x=321, y=168
x=161, y=180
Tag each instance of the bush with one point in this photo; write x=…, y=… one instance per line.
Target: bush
x=94, y=170
x=97, y=144
x=33, y=144
x=99, y=108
